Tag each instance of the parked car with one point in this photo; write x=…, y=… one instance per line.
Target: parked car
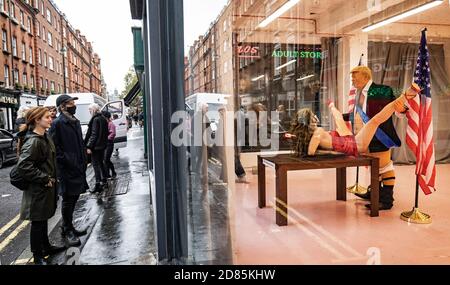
x=8, y=145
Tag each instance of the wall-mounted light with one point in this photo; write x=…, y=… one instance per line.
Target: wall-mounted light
x=258, y=78
x=286, y=64
x=306, y=77
x=403, y=15
x=283, y=9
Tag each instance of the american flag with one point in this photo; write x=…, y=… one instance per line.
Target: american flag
x=352, y=96
x=419, y=133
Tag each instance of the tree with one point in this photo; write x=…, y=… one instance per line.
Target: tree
x=130, y=80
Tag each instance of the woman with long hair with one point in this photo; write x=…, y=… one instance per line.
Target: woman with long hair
x=308, y=138
x=37, y=166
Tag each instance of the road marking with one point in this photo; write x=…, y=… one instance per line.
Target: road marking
x=8, y=225
x=6, y=196
x=13, y=235
x=21, y=262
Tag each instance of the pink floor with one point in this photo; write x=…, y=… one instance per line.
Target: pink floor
x=322, y=230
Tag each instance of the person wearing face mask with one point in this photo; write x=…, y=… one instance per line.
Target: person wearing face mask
x=71, y=164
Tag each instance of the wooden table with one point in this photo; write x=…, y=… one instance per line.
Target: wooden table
x=286, y=162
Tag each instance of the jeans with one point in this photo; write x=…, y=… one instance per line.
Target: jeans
x=99, y=165
x=67, y=209
x=39, y=237
x=108, y=164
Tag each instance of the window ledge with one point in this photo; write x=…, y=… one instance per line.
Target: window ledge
x=6, y=52
x=14, y=20
x=23, y=27
x=16, y=57
x=4, y=13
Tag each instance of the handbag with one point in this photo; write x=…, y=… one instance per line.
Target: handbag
x=17, y=180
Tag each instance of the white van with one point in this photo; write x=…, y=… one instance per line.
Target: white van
x=214, y=101
x=115, y=108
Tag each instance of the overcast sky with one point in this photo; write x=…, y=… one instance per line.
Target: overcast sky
x=108, y=27
x=107, y=24
x=198, y=15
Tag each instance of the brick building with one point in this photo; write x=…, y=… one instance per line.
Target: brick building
x=35, y=37
x=210, y=61
x=18, y=64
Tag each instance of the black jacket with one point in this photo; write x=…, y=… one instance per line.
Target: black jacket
x=97, y=134
x=37, y=164
x=70, y=156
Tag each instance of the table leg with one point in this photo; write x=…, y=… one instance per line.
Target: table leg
x=341, y=184
x=375, y=186
x=281, y=197
x=261, y=183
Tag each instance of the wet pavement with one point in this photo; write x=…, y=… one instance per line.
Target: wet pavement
x=209, y=222
x=119, y=222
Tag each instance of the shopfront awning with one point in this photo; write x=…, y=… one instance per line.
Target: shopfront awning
x=137, y=8
x=134, y=92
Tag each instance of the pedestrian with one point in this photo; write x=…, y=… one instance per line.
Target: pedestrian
x=53, y=112
x=37, y=166
x=71, y=164
x=116, y=117
x=20, y=121
x=141, y=120
x=110, y=147
x=136, y=118
x=96, y=142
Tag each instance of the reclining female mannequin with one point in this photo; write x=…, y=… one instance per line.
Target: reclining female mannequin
x=308, y=138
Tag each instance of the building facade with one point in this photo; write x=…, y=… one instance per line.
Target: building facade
x=39, y=45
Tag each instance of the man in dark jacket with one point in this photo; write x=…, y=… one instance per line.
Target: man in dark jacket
x=71, y=164
x=96, y=142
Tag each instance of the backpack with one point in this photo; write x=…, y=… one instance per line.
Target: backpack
x=17, y=180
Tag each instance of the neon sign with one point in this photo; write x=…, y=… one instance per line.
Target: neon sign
x=248, y=51
x=297, y=54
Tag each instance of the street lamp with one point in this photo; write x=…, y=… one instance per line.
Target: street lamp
x=64, y=52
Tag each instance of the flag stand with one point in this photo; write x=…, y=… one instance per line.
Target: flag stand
x=357, y=189
x=416, y=216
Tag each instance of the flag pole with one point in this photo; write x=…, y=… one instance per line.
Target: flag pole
x=358, y=189
x=416, y=216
